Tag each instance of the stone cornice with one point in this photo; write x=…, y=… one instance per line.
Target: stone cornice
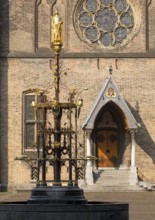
x=49, y=54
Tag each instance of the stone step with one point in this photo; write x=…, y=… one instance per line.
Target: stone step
x=112, y=184
x=111, y=177
x=114, y=188
x=112, y=180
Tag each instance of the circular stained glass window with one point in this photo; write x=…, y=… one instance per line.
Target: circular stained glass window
x=91, y=6
x=121, y=5
x=104, y=23
x=106, y=2
x=91, y=33
x=106, y=39
x=106, y=19
x=85, y=19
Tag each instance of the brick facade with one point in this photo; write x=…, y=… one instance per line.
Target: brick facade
x=25, y=54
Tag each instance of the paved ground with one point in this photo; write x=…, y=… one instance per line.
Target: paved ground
x=141, y=204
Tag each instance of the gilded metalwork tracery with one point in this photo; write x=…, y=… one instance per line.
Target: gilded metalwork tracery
x=104, y=23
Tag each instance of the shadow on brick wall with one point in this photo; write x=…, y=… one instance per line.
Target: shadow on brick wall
x=143, y=137
x=4, y=50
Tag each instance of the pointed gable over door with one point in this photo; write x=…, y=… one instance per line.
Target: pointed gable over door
x=110, y=94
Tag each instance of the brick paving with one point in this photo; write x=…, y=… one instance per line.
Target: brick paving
x=141, y=204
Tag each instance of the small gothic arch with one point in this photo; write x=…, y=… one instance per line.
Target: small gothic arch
x=111, y=121
x=113, y=109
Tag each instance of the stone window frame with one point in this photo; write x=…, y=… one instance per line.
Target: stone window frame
x=136, y=29
x=36, y=121
x=29, y=121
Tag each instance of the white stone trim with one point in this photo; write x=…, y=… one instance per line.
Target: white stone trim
x=133, y=169
x=89, y=170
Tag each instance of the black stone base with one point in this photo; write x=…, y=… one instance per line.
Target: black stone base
x=90, y=211
x=57, y=195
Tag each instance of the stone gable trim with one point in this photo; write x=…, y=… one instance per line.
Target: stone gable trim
x=104, y=99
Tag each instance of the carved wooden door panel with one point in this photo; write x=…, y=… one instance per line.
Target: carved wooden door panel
x=107, y=147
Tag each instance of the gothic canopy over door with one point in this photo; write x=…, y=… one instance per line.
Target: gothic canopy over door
x=110, y=94
x=108, y=121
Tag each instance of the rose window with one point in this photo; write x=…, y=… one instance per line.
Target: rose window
x=104, y=23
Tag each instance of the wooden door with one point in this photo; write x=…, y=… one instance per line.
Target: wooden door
x=107, y=147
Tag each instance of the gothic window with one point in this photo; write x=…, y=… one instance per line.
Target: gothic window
x=104, y=23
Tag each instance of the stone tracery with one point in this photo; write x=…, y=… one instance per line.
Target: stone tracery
x=105, y=23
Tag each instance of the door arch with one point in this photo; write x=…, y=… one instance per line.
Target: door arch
x=109, y=132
